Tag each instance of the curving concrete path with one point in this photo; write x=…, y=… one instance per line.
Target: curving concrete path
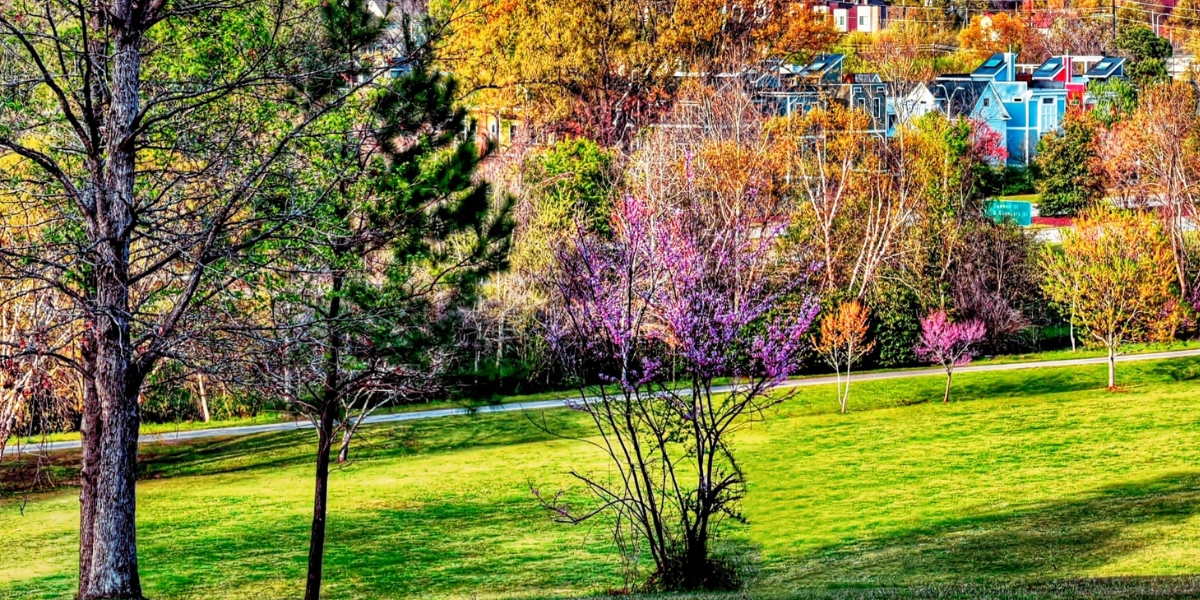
x=196, y=434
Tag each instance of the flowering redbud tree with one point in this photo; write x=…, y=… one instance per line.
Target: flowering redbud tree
x=948, y=344
x=653, y=312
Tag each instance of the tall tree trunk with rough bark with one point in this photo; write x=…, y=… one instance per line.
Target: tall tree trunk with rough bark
x=89, y=431
x=112, y=569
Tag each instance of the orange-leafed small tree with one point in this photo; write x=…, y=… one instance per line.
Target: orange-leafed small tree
x=989, y=34
x=843, y=342
x=1117, y=271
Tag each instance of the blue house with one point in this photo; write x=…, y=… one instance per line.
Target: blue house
x=1022, y=107
x=954, y=96
x=1035, y=105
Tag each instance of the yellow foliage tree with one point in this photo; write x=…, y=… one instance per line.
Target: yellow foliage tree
x=603, y=68
x=989, y=34
x=1114, y=275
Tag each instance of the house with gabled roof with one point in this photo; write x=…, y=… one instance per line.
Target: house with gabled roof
x=1039, y=101
x=796, y=89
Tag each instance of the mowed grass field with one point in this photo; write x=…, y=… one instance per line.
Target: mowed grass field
x=1032, y=483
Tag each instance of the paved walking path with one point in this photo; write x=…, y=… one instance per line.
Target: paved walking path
x=196, y=434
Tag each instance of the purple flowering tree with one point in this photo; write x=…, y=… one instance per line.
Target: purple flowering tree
x=654, y=312
x=948, y=344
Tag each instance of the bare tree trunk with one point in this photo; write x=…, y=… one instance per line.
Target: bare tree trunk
x=1072, y=327
x=846, y=394
x=949, y=377
x=316, y=540
x=113, y=567
x=344, y=451
x=500, y=342
x=329, y=414
x=1112, y=367
x=841, y=396
x=89, y=432
x=204, y=415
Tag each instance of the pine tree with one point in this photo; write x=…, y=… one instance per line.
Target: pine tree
x=396, y=233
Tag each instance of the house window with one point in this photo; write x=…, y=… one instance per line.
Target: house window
x=512, y=132
x=987, y=102
x=1018, y=99
x=1048, y=116
x=862, y=20
x=878, y=104
x=841, y=21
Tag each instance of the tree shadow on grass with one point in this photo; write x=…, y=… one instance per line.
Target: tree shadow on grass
x=928, y=389
x=1050, y=542
x=456, y=546
x=1174, y=371
x=1024, y=384
x=387, y=440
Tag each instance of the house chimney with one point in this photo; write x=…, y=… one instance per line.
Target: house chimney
x=1010, y=67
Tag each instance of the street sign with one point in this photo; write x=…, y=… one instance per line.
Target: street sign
x=1020, y=212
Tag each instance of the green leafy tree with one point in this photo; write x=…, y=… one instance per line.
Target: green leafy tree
x=1069, y=175
x=1148, y=54
x=366, y=290
x=1116, y=99
x=1141, y=43
x=154, y=142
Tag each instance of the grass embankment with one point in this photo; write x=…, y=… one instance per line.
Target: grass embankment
x=1032, y=477
x=267, y=417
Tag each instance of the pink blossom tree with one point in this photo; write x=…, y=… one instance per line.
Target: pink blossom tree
x=654, y=313
x=948, y=344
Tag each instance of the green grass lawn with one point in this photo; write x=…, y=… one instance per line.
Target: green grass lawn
x=278, y=416
x=1032, y=484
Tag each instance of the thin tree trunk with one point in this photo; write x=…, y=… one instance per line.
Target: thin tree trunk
x=1112, y=367
x=344, y=451
x=203, y=400
x=316, y=539
x=89, y=433
x=1072, y=327
x=846, y=396
x=500, y=343
x=949, y=377
x=841, y=396
x=329, y=413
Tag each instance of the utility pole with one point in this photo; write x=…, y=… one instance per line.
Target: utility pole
x=1114, y=18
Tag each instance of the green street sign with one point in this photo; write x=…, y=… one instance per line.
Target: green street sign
x=1020, y=212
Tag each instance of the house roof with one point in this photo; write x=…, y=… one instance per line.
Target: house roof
x=865, y=78
x=958, y=96
x=1051, y=69
x=991, y=67
x=1107, y=67
x=824, y=66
